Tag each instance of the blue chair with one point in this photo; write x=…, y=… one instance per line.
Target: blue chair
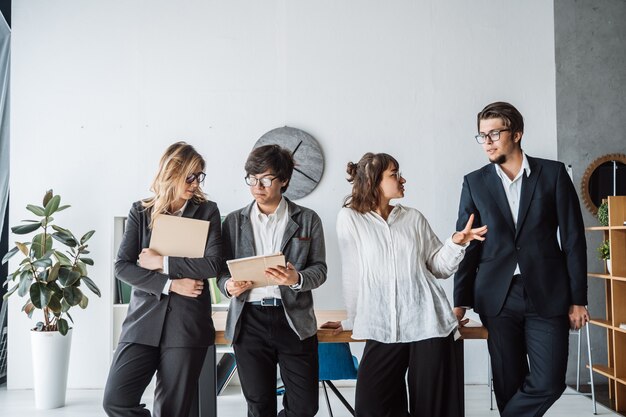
x=336, y=363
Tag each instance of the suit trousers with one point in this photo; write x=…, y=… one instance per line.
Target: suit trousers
x=435, y=372
x=263, y=340
x=134, y=365
x=528, y=355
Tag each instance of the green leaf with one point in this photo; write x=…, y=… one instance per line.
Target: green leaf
x=65, y=239
x=88, y=261
x=25, y=228
x=39, y=326
x=63, y=326
x=40, y=294
x=87, y=236
x=47, y=197
x=82, y=268
x=9, y=254
x=54, y=287
x=91, y=285
x=61, y=230
x=64, y=260
x=84, y=302
x=22, y=247
x=54, y=272
x=61, y=208
x=70, y=317
x=68, y=277
x=28, y=308
x=11, y=291
x=43, y=263
x=36, y=210
x=72, y=295
x=55, y=303
x=52, y=205
x=26, y=278
x=41, y=246
x=64, y=306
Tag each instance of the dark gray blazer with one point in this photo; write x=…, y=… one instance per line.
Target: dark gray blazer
x=303, y=246
x=156, y=319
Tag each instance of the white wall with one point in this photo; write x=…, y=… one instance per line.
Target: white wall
x=101, y=88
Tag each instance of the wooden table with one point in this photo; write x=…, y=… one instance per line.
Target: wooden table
x=206, y=403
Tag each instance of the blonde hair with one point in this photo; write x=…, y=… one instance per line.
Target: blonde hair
x=177, y=163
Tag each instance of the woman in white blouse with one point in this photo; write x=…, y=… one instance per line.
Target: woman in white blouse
x=391, y=260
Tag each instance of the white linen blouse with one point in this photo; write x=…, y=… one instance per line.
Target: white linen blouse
x=390, y=270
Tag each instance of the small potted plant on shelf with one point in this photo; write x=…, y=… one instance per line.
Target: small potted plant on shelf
x=604, y=253
x=52, y=281
x=603, y=213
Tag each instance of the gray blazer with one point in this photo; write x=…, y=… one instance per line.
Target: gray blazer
x=302, y=245
x=157, y=319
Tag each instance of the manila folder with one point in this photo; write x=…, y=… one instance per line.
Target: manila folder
x=179, y=236
x=253, y=268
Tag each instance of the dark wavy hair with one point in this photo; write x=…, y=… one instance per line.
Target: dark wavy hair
x=273, y=157
x=365, y=177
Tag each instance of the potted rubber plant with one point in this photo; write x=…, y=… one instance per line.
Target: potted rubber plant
x=52, y=277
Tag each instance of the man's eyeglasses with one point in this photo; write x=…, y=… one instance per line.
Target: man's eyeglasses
x=265, y=181
x=494, y=135
x=192, y=177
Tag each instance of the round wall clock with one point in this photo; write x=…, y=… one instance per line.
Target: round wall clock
x=307, y=154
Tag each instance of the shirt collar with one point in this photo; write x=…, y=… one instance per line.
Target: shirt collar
x=181, y=210
x=525, y=168
x=280, y=211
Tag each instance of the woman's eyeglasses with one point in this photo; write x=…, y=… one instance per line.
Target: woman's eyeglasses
x=197, y=176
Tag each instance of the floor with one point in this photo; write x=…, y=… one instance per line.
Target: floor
x=86, y=403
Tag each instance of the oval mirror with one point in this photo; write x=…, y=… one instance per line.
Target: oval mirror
x=603, y=177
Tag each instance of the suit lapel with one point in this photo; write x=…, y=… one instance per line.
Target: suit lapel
x=247, y=235
x=292, y=227
x=494, y=185
x=528, y=188
x=190, y=209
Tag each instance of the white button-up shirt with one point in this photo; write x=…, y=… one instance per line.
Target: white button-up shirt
x=389, y=272
x=268, y=231
x=513, y=190
x=166, y=259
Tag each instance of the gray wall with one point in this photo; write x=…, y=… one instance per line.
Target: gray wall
x=590, y=41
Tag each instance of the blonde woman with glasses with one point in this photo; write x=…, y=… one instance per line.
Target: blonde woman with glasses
x=391, y=262
x=168, y=327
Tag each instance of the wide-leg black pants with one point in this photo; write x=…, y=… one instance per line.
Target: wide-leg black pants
x=134, y=365
x=265, y=339
x=434, y=372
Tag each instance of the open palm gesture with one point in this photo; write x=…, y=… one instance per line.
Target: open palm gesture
x=468, y=234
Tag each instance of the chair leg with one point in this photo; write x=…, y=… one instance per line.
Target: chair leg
x=341, y=398
x=593, y=389
x=330, y=410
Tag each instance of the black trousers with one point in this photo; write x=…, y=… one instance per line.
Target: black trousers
x=265, y=339
x=132, y=370
x=434, y=372
x=519, y=336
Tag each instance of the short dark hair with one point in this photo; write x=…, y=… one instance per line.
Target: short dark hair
x=511, y=117
x=365, y=177
x=272, y=157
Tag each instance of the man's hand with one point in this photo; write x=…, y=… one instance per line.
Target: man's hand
x=578, y=317
x=187, y=287
x=150, y=259
x=468, y=234
x=459, y=312
x=236, y=288
x=283, y=275
x=335, y=325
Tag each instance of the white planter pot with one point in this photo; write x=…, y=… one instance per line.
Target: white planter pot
x=51, y=358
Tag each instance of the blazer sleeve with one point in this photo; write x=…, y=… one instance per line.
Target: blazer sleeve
x=572, y=235
x=209, y=265
x=227, y=252
x=466, y=274
x=126, y=268
x=314, y=274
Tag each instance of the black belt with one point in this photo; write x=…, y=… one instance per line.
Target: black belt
x=267, y=302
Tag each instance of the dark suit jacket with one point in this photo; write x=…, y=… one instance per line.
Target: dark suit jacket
x=156, y=319
x=555, y=276
x=303, y=246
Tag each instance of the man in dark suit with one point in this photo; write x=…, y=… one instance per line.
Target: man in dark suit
x=527, y=280
x=275, y=324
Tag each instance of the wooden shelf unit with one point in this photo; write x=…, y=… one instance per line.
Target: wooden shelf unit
x=615, y=292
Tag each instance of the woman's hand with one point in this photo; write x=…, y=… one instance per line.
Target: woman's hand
x=150, y=259
x=236, y=288
x=335, y=325
x=283, y=275
x=468, y=234
x=187, y=287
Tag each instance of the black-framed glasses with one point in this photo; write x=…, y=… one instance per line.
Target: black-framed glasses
x=265, y=181
x=494, y=135
x=200, y=176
